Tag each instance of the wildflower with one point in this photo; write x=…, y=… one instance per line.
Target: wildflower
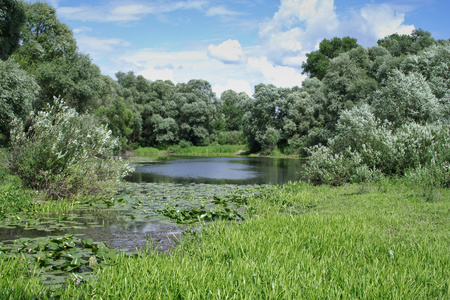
x=391, y=252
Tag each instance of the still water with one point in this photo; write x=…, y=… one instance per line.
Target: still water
x=219, y=170
x=156, y=184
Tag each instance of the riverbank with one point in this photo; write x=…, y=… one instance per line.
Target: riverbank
x=299, y=241
x=211, y=150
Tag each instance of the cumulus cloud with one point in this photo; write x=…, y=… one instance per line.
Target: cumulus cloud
x=280, y=76
x=152, y=73
x=296, y=28
x=228, y=52
x=237, y=85
x=299, y=25
x=382, y=20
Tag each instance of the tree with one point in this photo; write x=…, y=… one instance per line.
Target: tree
x=158, y=111
x=12, y=16
x=76, y=79
x=406, y=98
x=233, y=109
x=347, y=83
x=43, y=37
x=197, y=111
x=317, y=62
x=434, y=64
x=18, y=91
x=404, y=44
x=119, y=118
x=268, y=110
x=49, y=51
x=303, y=117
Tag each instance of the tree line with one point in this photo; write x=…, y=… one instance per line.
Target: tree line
x=350, y=91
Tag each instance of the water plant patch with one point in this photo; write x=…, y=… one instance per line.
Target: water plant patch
x=58, y=257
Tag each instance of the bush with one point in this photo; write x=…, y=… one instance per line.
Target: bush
x=364, y=149
x=327, y=167
x=230, y=138
x=64, y=153
x=184, y=144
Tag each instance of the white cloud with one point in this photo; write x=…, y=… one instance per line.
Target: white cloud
x=299, y=25
x=117, y=11
x=99, y=46
x=296, y=28
x=382, y=20
x=278, y=75
x=81, y=29
x=220, y=11
x=152, y=73
x=228, y=52
x=182, y=66
x=237, y=85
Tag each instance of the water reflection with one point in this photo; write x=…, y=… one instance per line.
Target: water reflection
x=156, y=184
x=219, y=170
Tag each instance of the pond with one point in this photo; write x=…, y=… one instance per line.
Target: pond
x=184, y=189
x=219, y=170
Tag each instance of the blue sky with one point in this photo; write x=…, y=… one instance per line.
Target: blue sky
x=234, y=44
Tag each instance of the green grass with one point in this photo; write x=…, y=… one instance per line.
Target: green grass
x=300, y=242
x=211, y=150
x=149, y=151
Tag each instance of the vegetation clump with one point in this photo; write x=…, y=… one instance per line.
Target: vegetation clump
x=65, y=153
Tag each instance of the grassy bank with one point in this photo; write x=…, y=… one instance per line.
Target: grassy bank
x=211, y=150
x=16, y=199
x=300, y=241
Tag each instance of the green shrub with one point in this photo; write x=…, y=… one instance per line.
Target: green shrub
x=230, y=138
x=364, y=148
x=184, y=144
x=65, y=153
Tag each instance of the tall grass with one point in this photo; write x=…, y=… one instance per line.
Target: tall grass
x=211, y=150
x=299, y=242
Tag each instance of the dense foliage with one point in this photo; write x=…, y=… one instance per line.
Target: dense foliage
x=358, y=107
x=65, y=153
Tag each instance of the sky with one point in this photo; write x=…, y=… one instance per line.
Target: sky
x=234, y=44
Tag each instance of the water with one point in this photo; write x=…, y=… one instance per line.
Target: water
x=155, y=184
x=219, y=170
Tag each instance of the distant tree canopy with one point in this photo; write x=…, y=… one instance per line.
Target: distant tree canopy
x=317, y=62
x=404, y=44
x=12, y=16
x=404, y=79
x=49, y=52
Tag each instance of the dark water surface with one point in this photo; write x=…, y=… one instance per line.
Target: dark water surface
x=219, y=170
x=155, y=185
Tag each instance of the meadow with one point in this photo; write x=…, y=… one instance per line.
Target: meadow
x=298, y=241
